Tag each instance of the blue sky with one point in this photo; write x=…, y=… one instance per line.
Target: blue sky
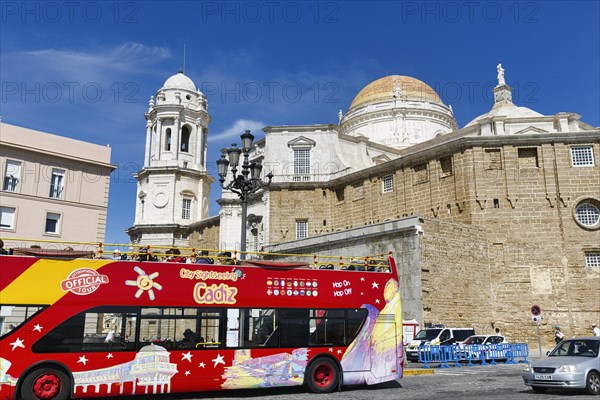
x=86, y=70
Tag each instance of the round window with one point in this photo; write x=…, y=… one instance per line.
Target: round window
x=587, y=213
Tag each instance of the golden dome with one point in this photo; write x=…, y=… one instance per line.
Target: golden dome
x=394, y=87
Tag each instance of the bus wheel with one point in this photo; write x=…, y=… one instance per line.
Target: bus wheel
x=322, y=376
x=46, y=384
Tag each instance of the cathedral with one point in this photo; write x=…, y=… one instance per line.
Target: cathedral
x=484, y=220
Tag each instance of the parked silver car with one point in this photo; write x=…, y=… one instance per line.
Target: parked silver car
x=573, y=364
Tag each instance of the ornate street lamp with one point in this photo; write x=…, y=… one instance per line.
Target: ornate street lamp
x=244, y=183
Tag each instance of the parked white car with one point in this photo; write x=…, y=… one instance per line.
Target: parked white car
x=475, y=352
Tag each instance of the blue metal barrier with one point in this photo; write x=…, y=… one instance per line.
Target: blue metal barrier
x=521, y=350
x=472, y=352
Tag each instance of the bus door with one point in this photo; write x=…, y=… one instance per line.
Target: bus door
x=383, y=351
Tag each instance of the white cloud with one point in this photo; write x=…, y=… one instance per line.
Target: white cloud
x=97, y=63
x=236, y=129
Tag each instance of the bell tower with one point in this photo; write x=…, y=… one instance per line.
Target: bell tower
x=173, y=188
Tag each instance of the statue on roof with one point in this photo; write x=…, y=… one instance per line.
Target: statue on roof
x=500, y=75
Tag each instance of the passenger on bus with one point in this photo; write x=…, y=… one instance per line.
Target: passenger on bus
x=2, y=249
x=225, y=258
x=189, y=339
x=173, y=255
x=204, y=259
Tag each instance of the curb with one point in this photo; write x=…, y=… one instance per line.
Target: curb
x=411, y=372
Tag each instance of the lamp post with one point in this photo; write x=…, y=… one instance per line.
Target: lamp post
x=244, y=183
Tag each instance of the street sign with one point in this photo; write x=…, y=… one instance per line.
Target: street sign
x=536, y=310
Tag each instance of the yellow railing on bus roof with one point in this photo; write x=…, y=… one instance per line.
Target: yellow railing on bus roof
x=158, y=252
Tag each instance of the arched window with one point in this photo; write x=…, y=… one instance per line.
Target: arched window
x=185, y=139
x=168, y=140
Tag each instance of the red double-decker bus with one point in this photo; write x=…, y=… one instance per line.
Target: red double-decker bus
x=99, y=327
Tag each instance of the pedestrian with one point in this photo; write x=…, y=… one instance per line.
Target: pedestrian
x=558, y=335
x=595, y=330
x=2, y=249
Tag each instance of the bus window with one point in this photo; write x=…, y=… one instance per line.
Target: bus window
x=327, y=328
x=13, y=316
x=294, y=326
x=252, y=327
x=356, y=318
x=99, y=329
x=180, y=327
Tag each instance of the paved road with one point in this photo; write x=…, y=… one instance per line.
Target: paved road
x=493, y=382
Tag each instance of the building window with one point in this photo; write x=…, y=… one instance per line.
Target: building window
x=446, y=166
x=339, y=194
x=587, y=214
x=493, y=159
x=301, y=165
x=12, y=173
x=421, y=175
x=57, y=183
x=168, y=140
x=582, y=156
x=592, y=259
x=7, y=218
x=528, y=158
x=358, y=191
x=52, y=223
x=185, y=139
x=301, y=229
x=186, y=209
x=387, y=183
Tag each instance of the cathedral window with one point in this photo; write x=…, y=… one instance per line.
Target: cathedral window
x=387, y=183
x=446, y=166
x=301, y=165
x=301, y=229
x=168, y=140
x=339, y=194
x=592, y=259
x=186, y=209
x=528, y=158
x=582, y=156
x=587, y=213
x=421, y=175
x=493, y=159
x=12, y=173
x=57, y=183
x=185, y=139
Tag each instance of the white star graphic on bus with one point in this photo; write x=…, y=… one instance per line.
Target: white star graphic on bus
x=201, y=365
x=38, y=327
x=339, y=351
x=82, y=360
x=331, y=349
x=17, y=343
x=362, y=279
x=187, y=373
x=375, y=285
x=377, y=301
x=187, y=356
x=218, y=360
x=109, y=355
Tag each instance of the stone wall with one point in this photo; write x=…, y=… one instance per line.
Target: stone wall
x=500, y=235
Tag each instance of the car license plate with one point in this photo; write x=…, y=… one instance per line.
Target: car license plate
x=543, y=377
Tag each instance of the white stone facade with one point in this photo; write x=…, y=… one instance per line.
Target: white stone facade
x=174, y=186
